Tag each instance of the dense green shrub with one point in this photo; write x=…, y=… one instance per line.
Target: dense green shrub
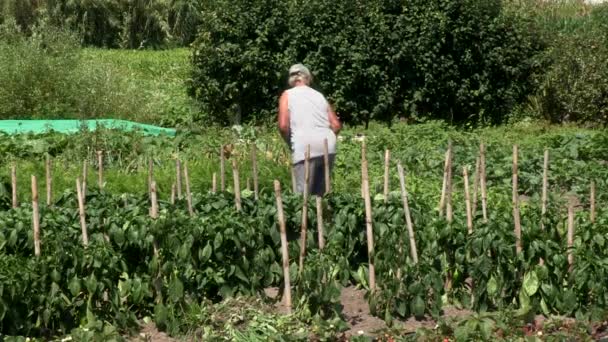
x=575, y=86
x=44, y=75
x=113, y=23
x=456, y=60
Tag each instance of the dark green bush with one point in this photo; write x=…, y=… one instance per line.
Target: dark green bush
x=456, y=60
x=575, y=86
x=44, y=75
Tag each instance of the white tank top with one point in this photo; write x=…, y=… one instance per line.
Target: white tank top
x=309, y=123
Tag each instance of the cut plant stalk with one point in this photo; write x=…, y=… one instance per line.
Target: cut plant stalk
x=516, y=217
x=304, y=227
x=35, y=216
x=368, y=220
x=284, y=250
x=82, y=214
x=237, y=186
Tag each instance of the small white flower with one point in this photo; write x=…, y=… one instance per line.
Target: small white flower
x=360, y=332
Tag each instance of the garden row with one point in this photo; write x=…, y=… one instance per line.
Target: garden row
x=98, y=257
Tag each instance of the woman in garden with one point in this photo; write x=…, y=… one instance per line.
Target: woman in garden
x=306, y=118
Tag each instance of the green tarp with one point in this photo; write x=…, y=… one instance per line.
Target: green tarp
x=75, y=126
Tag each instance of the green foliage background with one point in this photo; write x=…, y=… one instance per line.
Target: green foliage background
x=460, y=61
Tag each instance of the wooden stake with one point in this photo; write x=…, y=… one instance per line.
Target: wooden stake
x=237, y=186
x=326, y=166
x=153, y=200
x=592, y=202
x=254, y=163
x=570, y=234
x=467, y=199
x=408, y=217
x=449, y=213
x=178, y=178
x=294, y=185
x=545, y=186
x=444, y=186
x=214, y=183
x=49, y=182
x=475, y=187
x=304, y=227
x=363, y=166
x=482, y=182
x=284, y=250
x=320, y=228
x=387, y=158
x=154, y=213
x=188, y=192
x=248, y=184
x=85, y=171
x=14, y=185
x=35, y=216
x=173, y=191
x=368, y=222
x=222, y=169
x=150, y=174
x=100, y=169
x=81, y=212
x=516, y=218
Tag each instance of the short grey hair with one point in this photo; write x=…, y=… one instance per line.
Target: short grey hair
x=299, y=73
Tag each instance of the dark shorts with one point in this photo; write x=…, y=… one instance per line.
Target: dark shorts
x=316, y=177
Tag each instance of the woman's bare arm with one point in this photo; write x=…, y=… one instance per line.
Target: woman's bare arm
x=334, y=121
x=283, y=118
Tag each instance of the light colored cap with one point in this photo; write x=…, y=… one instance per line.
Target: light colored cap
x=299, y=69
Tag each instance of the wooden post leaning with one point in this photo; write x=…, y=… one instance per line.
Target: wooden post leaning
x=368, y=220
x=304, y=227
x=284, y=250
x=81, y=213
x=408, y=216
x=516, y=217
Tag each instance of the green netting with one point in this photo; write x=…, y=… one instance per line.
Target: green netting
x=75, y=126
